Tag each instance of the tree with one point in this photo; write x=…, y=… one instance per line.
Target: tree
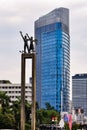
x=4, y=101
x=7, y=120
x=37, y=106
x=48, y=106
x=27, y=111
x=44, y=116
x=15, y=107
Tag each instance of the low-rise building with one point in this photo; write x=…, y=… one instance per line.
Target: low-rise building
x=14, y=90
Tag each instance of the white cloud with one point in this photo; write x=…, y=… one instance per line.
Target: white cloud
x=19, y=15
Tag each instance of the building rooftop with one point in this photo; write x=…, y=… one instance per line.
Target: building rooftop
x=57, y=15
x=80, y=76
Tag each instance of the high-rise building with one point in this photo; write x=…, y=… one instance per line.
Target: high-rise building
x=53, y=59
x=79, y=91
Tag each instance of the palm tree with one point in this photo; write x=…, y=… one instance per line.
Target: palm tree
x=4, y=102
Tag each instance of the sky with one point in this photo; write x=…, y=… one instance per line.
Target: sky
x=20, y=15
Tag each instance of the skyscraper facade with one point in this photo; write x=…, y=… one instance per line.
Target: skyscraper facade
x=79, y=91
x=53, y=59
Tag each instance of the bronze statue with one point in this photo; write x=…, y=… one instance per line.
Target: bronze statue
x=31, y=48
x=26, y=38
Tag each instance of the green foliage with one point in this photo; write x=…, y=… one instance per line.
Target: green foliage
x=4, y=101
x=44, y=116
x=37, y=106
x=7, y=121
x=48, y=106
x=27, y=111
x=10, y=115
x=27, y=126
x=66, y=126
x=15, y=109
x=5, y=82
x=76, y=126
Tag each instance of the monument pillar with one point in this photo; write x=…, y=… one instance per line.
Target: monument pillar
x=22, y=92
x=33, y=92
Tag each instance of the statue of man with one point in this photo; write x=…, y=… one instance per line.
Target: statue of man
x=31, y=48
x=25, y=39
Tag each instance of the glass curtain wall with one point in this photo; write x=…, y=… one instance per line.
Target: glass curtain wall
x=53, y=64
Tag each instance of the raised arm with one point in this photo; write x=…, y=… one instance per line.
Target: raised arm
x=27, y=36
x=21, y=35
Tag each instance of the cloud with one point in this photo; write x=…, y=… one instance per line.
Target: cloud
x=19, y=15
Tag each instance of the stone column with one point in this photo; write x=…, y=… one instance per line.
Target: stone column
x=25, y=56
x=22, y=92
x=33, y=92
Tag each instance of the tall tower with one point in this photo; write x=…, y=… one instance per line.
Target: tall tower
x=53, y=59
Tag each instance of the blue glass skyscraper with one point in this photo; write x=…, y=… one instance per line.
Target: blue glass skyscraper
x=53, y=59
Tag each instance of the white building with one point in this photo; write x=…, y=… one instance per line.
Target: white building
x=14, y=91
